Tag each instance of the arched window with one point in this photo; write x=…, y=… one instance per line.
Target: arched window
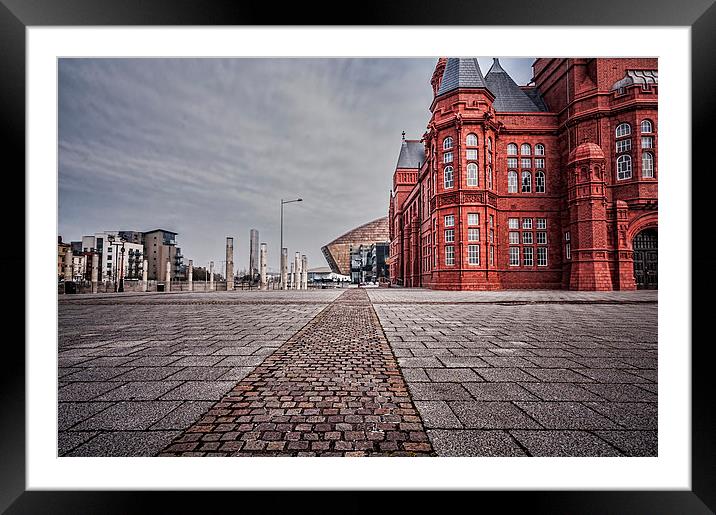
x=447, y=143
x=489, y=144
x=512, y=182
x=448, y=181
x=539, y=182
x=646, y=126
x=512, y=149
x=624, y=167
x=525, y=149
x=471, y=140
x=539, y=149
x=472, y=174
x=489, y=177
x=526, y=182
x=647, y=165
x=623, y=129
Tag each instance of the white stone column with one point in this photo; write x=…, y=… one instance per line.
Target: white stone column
x=168, y=279
x=211, y=276
x=68, y=265
x=296, y=270
x=304, y=272
x=263, y=266
x=145, y=284
x=229, y=263
x=95, y=271
x=190, y=276
x=284, y=268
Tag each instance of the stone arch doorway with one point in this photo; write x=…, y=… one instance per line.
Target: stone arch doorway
x=646, y=259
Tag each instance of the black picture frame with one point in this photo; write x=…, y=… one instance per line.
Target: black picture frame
x=17, y=15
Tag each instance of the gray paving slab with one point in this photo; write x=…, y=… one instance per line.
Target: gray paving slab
x=450, y=442
x=566, y=415
x=199, y=390
x=438, y=391
x=438, y=415
x=564, y=443
x=500, y=392
x=183, y=415
x=632, y=443
x=492, y=415
x=629, y=415
x=134, y=415
x=125, y=443
x=452, y=375
x=70, y=413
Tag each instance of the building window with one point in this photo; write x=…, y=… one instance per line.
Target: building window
x=472, y=154
x=473, y=254
x=646, y=127
x=471, y=140
x=512, y=149
x=489, y=177
x=472, y=174
x=527, y=256
x=512, y=182
x=624, y=167
x=623, y=145
x=473, y=234
x=447, y=157
x=623, y=129
x=492, y=255
x=526, y=182
x=513, y=223
x=527, y=223
x=527, y=238
x=525, y=149
x=450, y=221
x=541, y=256
x=568, y=250
x=449, y=255
x=511, y=162
x=449, y=235
x=447, y=143
x=473, y=219
x=539, y=182
x=541, y=238
x=514, y=256
x=492, y=235
x=541, y=223
x=647, y=165
x=489, y=144
x=526, y=162
x=539, y=149
x=448, y=177
x=647, y=142
x=539, y=162
x=514, y=238
x=109, y=257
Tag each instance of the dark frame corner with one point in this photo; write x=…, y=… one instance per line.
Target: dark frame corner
x=700, y=15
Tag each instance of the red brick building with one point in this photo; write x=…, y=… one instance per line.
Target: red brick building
x=551, y=185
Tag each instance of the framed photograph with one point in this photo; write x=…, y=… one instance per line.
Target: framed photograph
x=61, y=59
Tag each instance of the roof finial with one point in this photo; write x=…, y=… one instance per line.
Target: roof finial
x=403, y=135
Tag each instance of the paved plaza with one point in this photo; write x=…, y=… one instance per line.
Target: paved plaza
x=386, y=372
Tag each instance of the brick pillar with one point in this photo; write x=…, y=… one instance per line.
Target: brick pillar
x=624, y=252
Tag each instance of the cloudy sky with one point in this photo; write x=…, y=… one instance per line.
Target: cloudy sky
x=208, y=147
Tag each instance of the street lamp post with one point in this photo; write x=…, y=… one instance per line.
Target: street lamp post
x=280, y=250
x=110, y=238
x=121, y=272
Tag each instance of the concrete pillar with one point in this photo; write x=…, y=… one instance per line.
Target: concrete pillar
x=168, y=279
x=68, y=265
x=95, y=272
x=144, y=276
x=263, y=266
x=296, y=270
x=211, y=276
x=290, y=277
x=229, y=263
x=190, y=276
x=304, y=272
x=284, y=268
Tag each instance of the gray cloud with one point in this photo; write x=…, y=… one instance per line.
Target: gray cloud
x=208, y=147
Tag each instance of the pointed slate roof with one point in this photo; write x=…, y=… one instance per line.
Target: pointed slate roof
x=412, y=154
x=508, y=95
x=462, y=72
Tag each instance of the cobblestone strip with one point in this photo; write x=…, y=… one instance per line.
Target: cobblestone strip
x=334, y=389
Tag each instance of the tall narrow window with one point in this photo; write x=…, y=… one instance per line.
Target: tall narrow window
x=514, y=256
x=471, y=140
x=448, y=182
x=449, y=255
x=512, y=182
x=492, y=255
x=647, y=165
x=489, y=177
x=489, y=144
x=512, y=149
x=473, y=254
x=624, y=167
x=539, y=182
x=539, y=149
x=449, y=235
x=447, y=143
x=541, y=256
x=527, y=256
x=472, y=174
x=646, y=127
x=525, y=149
x=526, y=182
x=623, y=129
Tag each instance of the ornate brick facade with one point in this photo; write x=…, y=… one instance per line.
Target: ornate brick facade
x=552, y=185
